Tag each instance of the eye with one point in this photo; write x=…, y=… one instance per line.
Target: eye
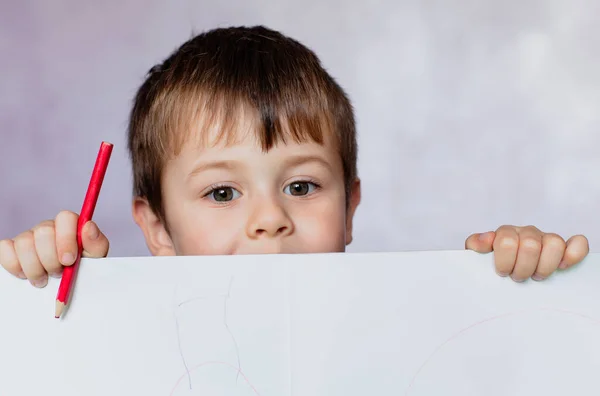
x=223, y=194
x=300, y=188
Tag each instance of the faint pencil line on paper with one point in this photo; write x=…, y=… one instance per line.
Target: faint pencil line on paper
x=225, y=298
x=237, y=351
x=189, y=300
x=594, y=321
x=187, y=370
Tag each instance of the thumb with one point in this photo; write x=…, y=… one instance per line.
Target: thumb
x=481, y=243
x=95, y=243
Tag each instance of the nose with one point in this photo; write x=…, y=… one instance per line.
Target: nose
x=269, y=219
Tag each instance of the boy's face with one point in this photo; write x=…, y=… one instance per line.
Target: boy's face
x=237, y=199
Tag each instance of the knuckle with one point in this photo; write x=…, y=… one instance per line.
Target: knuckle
x=46, y=223
x=24, y=240
x=554, y=241
x=530, y=244
x=532, y=229
x=504, y=228
x=507, y=243
x=44, y=229
x=66, y=215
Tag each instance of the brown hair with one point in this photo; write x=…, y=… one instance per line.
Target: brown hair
x=216, y=74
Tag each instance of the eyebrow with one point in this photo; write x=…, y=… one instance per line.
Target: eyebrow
x=228, y=165
x=292, y=161
x=298, y=160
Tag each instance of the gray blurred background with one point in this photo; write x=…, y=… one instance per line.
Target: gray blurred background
x=471, y=114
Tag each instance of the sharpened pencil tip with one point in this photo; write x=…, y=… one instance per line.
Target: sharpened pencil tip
x=59, y=309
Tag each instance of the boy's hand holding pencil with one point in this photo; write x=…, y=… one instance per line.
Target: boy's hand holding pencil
x=54, y=247
x=49, y=246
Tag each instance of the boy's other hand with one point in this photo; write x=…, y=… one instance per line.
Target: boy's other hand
x=526, y=252
x=50, y=245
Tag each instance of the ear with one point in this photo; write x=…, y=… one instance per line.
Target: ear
x=157, y=238
x=353, y=204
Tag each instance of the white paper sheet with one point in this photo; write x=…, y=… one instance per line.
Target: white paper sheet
x=415, y=323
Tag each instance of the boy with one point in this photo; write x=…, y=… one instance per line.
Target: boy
x=241, y=143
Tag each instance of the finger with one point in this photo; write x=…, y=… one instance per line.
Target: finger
x=44, y=238
x=577, y=249
x=528, y=254
x=506, y=244
x=30, y=263
x=65, y=226
x=9, y=260
x=95, y=243
x=553, y=249
x=480, y=243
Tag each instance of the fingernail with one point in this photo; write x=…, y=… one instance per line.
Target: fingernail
x=21, y=275
x=93, y=231
x=502, y=274
x=56, y=275
x=537, y=277
x=40, y=282
x=562, y=265
x=67, y=259
x=518, y=280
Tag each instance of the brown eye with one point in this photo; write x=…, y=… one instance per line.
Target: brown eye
x=223, y=194
x=299, y=189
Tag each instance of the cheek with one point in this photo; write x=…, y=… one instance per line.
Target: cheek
x=210, y=232
x=322, y=227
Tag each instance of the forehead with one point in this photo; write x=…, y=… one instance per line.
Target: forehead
x=244, y=146
x=239, y=124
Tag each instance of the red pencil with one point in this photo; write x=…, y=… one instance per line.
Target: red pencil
x=89, y=204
